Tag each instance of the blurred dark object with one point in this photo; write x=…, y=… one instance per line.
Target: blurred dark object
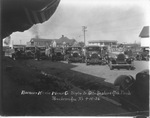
x=20, y=15
x=139, y=89
x=9, y=68
x=142, y=86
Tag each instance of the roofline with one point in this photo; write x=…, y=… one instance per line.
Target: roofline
x=103, y=41
x=35, y=39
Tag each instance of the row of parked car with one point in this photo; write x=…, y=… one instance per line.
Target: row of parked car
x=88, y=55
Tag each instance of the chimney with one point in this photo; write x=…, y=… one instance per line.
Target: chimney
x=62, y=36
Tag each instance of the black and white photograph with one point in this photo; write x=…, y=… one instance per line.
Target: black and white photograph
x=75, y=58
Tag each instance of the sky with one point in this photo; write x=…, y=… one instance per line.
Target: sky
x=105, y=20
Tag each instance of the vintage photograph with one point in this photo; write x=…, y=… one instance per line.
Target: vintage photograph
x=75, y=58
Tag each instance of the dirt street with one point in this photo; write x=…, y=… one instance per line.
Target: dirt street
x=110, y=75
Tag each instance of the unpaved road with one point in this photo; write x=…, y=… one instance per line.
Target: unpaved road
x=110, y=75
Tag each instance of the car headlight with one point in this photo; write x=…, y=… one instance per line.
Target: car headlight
x=115, y=57
x=126, y=57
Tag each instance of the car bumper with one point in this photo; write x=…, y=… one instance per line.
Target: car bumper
x=94, y=61
x=76, y=59
x=121, y=65
x=59, y=58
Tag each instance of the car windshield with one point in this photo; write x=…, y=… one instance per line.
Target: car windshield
x=76, y=48
x=18, y=49
x=30, y=48
x=93, y=49
x=105, y=48
x=58, y=49
x=42, y=48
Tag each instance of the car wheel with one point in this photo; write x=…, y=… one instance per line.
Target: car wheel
x=87, y=63
x=132, y=68
x=111, y=67
x=68, y=61
x=128, y=68
x=14, y=58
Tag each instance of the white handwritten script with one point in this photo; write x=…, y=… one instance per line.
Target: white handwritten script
x=74, y=96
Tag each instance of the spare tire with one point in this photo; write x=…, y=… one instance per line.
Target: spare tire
x=142, y=85
x=124, y=81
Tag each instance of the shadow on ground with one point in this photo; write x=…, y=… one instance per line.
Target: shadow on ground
x=34, y=76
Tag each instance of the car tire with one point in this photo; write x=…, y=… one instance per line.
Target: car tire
x=87, y=63
x=68, y=61
x=111, y=67
x=120, y=81
x=132, y=68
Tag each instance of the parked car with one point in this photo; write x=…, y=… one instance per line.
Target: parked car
x=138, y=99
x=67, y=52
x=75, y=55
x=143, y=54
x=30, y=52
x=121, y=61
x=40, y=53
x=18, y=52
x=57, y=54
x=93, y=55
x=129, y=53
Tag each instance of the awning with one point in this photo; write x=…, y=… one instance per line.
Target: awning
x=145, y=32
x=20, y=15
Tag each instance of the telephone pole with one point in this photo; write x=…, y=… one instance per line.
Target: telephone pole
x=84, y=30
x=20, y=42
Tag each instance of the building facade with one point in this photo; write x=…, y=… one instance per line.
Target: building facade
x=52, y=42
x=41, y=42
x=108, y=43
x=144, y=35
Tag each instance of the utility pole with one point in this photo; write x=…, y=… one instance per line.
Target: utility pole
x=84, y=30
x=20, y=42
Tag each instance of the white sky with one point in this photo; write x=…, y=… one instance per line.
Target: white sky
x=105, y=20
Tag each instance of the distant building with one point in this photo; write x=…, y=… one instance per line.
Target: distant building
x=40, y=42
x=144, y=35
x=65, y=41
x=51, y=42
x=103, y=42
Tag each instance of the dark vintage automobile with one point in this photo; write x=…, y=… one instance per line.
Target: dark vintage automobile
x=130, y=53
x=121, y=61
x=30, y=52
x=143, y=54
x=75, y=55
x=19, y=52
x=67, y=52
x=93, y=55
x=57, y=54
x=40, y=53
x=134, y=93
